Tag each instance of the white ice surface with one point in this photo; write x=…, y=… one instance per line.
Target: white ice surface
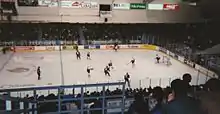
x=74, y=71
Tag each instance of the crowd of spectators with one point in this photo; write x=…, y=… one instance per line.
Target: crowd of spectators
x=172, y=36
x=178, y=98
x=182, y=39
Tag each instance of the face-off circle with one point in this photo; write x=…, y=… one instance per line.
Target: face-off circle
x=18, y=70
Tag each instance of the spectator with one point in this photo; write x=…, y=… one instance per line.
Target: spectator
x=210, y=99
x=180, y=103
x=156, y=100
x=139, y=106
x=187, y=79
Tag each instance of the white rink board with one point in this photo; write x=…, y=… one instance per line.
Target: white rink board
x=75, y=70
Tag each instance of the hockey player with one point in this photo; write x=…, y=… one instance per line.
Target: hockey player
x=110, y=65
x=77, y=48
x=157, y=59
x=132, y=62
x=126, y=78
x=38, y=73
x=88, y=56
x=89, y=70
x=115, y=47
x=106, y=71
x=78, y=55
x=107, y=68
x=168, y=62
x=4, y=50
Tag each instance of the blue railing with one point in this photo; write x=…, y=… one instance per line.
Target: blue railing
x=61, y=100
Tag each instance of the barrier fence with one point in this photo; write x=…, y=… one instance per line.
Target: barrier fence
x=198, y=79
x=62, y=98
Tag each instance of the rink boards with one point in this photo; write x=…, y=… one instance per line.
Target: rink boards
x=73, y=47
x=110, y=47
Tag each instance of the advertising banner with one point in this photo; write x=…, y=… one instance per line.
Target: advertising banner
x=170, y=6
x=87, y=4
x=50, y=48
x=133, y=46
x=137, y=6
x=24, y=48
x=73, y=47
x=176, y=57
x=149, y=47
x=121, y=6
x=78, y=4
x=92, y=47
x=171, y=54
x=109, y=47
x=48, y=3
x=71, y=4
x=163, y=50
x=155, y=7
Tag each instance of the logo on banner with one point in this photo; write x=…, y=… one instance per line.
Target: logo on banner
x=92, y=47
x=109, y=46
x=69, y=47
x=170, y=6
x=24, y=47
x=138, y=6
x=87, y=4
x=71, y=4
x=76, y=4
x=121, y=6
x=133, y=46
x=48, y=3
x=50, y=48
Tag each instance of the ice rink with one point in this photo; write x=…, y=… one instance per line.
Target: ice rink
x=19, y=69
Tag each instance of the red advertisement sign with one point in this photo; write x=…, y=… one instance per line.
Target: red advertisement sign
x=24, y=47
x=170, y=6
x=109, y=46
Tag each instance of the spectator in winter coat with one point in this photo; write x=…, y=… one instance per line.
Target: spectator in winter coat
x=179, y=102
x=139, y=106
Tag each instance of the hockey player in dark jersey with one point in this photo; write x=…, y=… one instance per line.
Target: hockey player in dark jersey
x=108, y=68
x=126, y=78
x=106, y=71
x=77, y=48
x=88, y=56
x=38, y=73
x=78, y=55
x=132, y=62
x=115, y=47
x=89, y=70
x=157, y=59
x=4, y=50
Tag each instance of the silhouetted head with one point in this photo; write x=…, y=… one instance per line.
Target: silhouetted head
x=187, y=77
x=213, y=84
x=179, y=87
